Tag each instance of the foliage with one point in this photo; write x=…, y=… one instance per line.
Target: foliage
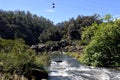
x=20, y=24
x=42, y=59
x=107, y=17
x=89, y=32
x=33, y=29
x=16, y=57
x=51, y=34
x=70, y=30
x=104, y=47
x=73, y=54
x=74, y=27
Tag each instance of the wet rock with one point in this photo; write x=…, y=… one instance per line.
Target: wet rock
x=58, y=61
x=39, y=74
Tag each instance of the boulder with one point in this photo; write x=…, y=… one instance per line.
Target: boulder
x=38, y=74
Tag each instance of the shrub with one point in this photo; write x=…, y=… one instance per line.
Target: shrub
x=104, y=48
x=16, y=57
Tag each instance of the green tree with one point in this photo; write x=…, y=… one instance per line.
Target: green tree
x=107, y=17
x=89, y=32
x=20, y=24
x=18, y=58
x=104, y=48
x=51, y=34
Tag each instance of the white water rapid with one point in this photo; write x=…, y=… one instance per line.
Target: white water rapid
x=66, y=68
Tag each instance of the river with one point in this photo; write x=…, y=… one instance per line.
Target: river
x=64, y=67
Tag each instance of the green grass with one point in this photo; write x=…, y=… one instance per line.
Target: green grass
x=18, y=58
x=76, y=55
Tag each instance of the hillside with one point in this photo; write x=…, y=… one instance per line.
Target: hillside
x=34, y=29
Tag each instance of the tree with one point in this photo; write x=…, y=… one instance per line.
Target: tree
x=104, y=48
x=20, y=24
x=89, y=32
x=17, y=58
x=51, y=34
x=107, y=17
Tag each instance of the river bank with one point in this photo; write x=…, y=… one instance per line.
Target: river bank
x=36, y=74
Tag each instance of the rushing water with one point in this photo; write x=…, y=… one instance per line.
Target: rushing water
x=63, y=67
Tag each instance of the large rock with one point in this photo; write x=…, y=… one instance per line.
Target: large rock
x=38, y=47
x=39, y=74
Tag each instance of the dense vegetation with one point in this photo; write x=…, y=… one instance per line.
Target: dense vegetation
x=103, y=47
x=17, y=58
x=33, y=29
x=19, y=30
x=20, y=24
x=70, y=30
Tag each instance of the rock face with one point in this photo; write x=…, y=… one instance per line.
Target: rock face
x=63, y=45
x=38, y=47
x=53, y=46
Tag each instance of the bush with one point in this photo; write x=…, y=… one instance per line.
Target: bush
x=89, y=32
x=104, y=48
x=16, y=57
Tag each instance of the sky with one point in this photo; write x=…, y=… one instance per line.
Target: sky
x=64, y=9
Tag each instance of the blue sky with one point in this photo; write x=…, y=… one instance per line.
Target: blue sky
x=65, y=9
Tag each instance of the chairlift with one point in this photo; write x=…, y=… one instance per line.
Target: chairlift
x=53, y=5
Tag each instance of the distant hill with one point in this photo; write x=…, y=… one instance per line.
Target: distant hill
x=34, y=29
x=70, y=30
x=20, y=24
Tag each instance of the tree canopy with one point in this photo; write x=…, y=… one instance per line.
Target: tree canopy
x=70, y=30
x=20, y=24
x=104, y=48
